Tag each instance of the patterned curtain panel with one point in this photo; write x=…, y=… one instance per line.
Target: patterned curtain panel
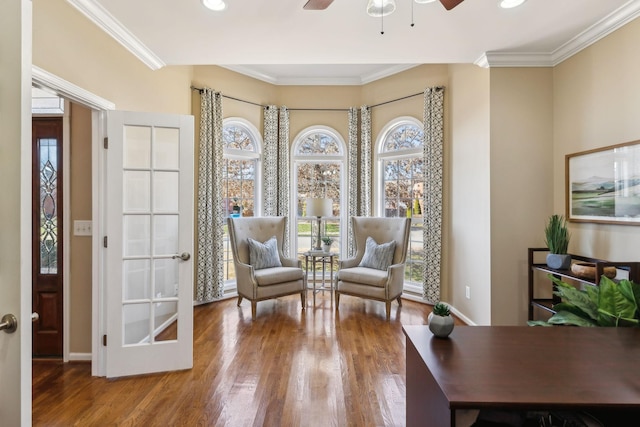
x=210, y=221
x=283, y=171
x=432, y=198
x=352, y=155
x=270, y=168
x=365, y=162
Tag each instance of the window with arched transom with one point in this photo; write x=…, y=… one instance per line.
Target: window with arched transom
x=318, y=172
x=401, y=175
x=241, y=177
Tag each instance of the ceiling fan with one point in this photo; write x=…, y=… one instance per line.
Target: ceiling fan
x=323, y=4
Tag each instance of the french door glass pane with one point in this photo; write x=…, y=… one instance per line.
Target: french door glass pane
x=137, y=279
x=136, y=191
x=166, y=148
x=136, y=323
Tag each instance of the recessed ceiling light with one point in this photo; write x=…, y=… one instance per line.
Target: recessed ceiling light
x=508, y=4
x=216, y=5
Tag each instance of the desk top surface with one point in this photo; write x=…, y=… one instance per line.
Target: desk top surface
x=533, y=366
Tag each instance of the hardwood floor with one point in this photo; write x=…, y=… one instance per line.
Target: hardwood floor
x=290, y=367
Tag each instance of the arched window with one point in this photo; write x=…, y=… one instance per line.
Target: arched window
x=318, y=165
x=241, y=177
x=401, y=174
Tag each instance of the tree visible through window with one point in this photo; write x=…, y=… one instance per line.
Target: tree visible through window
x=240, y=177
x=402, y=174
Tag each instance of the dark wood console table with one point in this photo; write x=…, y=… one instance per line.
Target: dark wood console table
x=520, y=367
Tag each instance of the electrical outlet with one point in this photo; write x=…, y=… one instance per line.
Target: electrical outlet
x=467, y=292
x=175, y=290
x=82, y=228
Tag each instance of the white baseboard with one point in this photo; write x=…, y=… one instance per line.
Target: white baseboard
x=416, y=298
x=79, y=357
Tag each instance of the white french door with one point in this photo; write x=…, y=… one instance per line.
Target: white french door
x=149, y=242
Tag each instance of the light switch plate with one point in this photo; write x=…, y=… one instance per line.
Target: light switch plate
x=82, y=228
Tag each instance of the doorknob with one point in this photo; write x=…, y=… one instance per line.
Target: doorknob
x=9, y=323
x=34, y=316
x=184, y=256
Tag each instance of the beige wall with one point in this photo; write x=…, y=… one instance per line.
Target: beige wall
x=521, y=104
x=468, y=167
x=80, y=246
x=596, y=104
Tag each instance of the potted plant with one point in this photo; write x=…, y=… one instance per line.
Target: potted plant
x=609, y=304
x=440, y=320
x=557, y=240
x=326, y=243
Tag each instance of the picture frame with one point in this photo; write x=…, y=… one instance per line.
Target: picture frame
x=603, y=185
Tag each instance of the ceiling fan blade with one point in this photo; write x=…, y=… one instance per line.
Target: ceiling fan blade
x=450, y=4
x=317, y=4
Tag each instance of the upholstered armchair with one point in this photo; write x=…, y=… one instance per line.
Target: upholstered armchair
x=262, y=271
x=377, y=269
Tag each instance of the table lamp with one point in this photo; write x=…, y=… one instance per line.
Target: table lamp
x=319, y=207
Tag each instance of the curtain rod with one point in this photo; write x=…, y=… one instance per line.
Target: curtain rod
x=318, y=109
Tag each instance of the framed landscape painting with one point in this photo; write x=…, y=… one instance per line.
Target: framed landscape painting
x=603, y=185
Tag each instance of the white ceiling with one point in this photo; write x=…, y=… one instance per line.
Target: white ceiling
x=279, y=42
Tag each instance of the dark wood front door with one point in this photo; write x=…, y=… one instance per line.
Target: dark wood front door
x=47, y=236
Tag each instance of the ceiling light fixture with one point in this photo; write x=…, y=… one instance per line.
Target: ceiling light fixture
x=508, y=4
x=379, y=8
x=216, y=5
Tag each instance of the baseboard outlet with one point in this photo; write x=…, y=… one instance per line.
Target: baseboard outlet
x=79, y=357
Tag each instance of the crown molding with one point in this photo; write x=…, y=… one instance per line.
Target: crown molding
x=389, y=71
x=319, y=81
x=45, y=80
x=514, y=59
x=97, y=14
x=610, y=23
x=250, y=72
x=607, y=25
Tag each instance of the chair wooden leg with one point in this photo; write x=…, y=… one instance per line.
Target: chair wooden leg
x=337, y=300
x=303, y=299
x=254, y=305
x=239, y=300
x=388, y=304
x=400, y=301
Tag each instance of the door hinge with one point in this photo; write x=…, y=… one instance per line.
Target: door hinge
x=106, y=142
x=104, y=241
x=104, y=340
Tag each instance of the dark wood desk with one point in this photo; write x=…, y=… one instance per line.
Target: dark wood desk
x=513, y=367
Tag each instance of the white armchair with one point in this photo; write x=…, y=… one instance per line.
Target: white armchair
x=262, y=271
x=377, y=269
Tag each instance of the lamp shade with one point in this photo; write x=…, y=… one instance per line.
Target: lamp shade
x=319, y=207
x=381, y=7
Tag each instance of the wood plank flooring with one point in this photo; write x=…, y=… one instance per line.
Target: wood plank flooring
x=317, y=367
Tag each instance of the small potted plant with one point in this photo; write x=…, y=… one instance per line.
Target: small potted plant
x=440, y=320
x=326, y=243
x=557, y=240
